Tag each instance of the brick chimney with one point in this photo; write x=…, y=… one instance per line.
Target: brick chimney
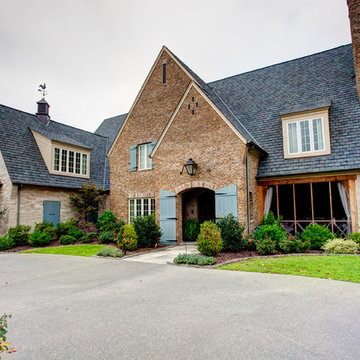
x=354, y=16
x=43, y=111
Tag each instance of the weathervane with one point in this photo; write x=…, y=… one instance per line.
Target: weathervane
x=42, y=89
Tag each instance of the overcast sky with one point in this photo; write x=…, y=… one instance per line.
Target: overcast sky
x=94, y=55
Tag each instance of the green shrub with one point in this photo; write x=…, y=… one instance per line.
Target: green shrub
x=191, y=228
x=109, y=252
x=317, y=235
x=106, y=237
x=269, y=219
x=65, y=227
x=107, y=221
x=274, y=232
x=127, y=241
x=47, y=227
x=6, y=243
x=20, y=234
x=266, y=246
x=209, y=240
x=89, y=237
x=194, y=259
x=231, y=233
x=76, y=233
x=38, y=239
x=294, y=244
x=250, y=243
x=67, y=240
x=341, y=246
x=147, y=230
x=355, y=237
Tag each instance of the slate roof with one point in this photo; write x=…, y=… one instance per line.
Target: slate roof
x=259, y=97
x=23, y=158
x=110, y=128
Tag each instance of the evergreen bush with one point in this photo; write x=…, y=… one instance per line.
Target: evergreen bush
x=341, y=246
x=191, y=228
x=67, y=240
x=231, y=233
x=20, y=234
x=147, y=230
x=39, y=239
x=209, y=240
x=317, y=235
x=6, y=243
x=127, y=241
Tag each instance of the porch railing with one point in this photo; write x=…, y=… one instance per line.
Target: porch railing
x=340, y=227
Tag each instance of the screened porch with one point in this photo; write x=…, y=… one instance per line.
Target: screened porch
x=325, y=201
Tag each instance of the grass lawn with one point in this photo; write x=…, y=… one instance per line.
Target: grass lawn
x=75, y=250
x=335, y=267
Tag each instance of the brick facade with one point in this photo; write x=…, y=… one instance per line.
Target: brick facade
x=204, y=136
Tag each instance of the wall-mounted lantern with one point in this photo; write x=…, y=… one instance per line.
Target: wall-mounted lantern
x=190, y=167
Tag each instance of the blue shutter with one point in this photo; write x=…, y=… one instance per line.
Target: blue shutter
x=226, y=202
x=51, y=212
x=133, y=157
x=152, y=145
x=167, y=216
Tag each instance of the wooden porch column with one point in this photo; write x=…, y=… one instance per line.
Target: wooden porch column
x=353, y=207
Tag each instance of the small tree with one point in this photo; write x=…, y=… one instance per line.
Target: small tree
x=87, y=200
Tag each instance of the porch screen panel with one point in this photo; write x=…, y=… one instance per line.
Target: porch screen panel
x=321, y=197
x=167, y=216
x=286, y=202
x=303, y=205
x=226, y=202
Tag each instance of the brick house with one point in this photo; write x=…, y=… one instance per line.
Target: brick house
x=42, y=162
x=283, y=138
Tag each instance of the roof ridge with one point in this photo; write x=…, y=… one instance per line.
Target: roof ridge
x=280, y=63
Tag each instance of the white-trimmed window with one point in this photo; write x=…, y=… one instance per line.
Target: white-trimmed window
x=305, y=136
x=70, y=162
x=144, y=160
x=141, y=207
x=306, y=133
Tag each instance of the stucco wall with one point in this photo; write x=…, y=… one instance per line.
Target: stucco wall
x=7, y=198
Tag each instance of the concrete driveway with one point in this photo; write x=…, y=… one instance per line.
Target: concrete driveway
x=92, y=308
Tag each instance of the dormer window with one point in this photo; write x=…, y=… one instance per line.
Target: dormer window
x=306, y=133
x=70, y=162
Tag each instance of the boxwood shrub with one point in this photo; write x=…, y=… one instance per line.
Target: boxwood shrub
x=39, y=238
x=67, y=240
x=209, y=240
x=317, y=235
x=231, y=233
x=147, y=230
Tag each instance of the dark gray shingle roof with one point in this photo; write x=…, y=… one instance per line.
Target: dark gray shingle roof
x=266, y=93
x=110, y=128
x=23, y=158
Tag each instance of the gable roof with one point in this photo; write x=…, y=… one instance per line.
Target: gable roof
x=110, y=128
x=264, y=94
x=23, y=159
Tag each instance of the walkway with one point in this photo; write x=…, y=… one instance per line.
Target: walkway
x=164, y=255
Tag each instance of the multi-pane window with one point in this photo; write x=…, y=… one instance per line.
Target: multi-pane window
x=70, y=162
x=56, y=159
x=305, y=136
x=141, y=207
x=145, y=162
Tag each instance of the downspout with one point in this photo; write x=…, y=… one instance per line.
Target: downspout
x=18, y=205
x=249, y=148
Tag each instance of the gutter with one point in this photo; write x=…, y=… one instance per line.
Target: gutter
x=18, y=204
x=249, y=148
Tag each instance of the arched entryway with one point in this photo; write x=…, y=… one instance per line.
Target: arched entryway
x=198, y=204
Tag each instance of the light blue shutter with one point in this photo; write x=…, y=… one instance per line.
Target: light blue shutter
x=152, y=145
x=51, y=212
x=167, y=216
x=133, y=157
x=226, y=202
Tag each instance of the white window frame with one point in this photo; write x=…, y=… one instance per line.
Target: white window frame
x=151, y=207
x=297, y=118
x=74, y=172
x=148, y=160
x=311, y=131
